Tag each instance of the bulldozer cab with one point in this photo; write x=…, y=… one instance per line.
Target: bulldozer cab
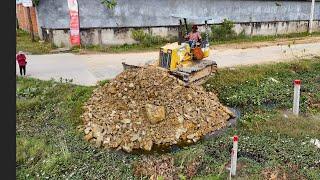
x=181, y=54
x=204, y=44
x=185, y=62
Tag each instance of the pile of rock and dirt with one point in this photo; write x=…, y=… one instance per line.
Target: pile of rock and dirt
x=147, y=107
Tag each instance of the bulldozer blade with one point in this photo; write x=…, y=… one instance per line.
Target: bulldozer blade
x=129, y=66
x=197, y=74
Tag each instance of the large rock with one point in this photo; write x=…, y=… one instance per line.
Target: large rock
x=154, y=113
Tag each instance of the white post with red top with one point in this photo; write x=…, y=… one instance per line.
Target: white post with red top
x=233, y=167
x=296, y=98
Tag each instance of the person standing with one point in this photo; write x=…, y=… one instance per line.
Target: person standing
x=21, y=58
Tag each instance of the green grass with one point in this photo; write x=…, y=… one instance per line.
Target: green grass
x=262, y=87
x=24, y=43
x=103, y=82
x=154, y=47
x=49, y=144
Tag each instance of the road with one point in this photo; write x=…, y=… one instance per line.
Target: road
x=88, y=69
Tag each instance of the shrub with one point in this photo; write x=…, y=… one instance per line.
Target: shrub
x=147, y=39
x=36, y=2
x=224, y=31
x=138, y=35
x=110, y=4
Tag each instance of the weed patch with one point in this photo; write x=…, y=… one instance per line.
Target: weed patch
x=51, y=138
x=272, y=143
x=289, y=125
x=267, y=87
x=147, y=39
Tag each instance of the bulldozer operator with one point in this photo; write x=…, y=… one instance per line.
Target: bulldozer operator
x=194, y=37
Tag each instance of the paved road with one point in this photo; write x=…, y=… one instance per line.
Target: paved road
x=88, y=69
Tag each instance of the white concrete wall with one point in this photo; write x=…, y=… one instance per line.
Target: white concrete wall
x=119, y=36
x=316, y=26
x=147, y=13
x=89, y=37
x=61, y=38
x=112, y=37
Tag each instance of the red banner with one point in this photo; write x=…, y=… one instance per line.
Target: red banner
x=74, y=22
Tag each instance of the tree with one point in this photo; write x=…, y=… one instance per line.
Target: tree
x=110, y=4
x=36, y=2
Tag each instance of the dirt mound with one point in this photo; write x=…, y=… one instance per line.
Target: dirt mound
x=142, y=108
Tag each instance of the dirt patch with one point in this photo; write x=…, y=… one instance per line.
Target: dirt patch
x=275, y=173
x=279, y=172
x=163, y=166
x=192, y=168
x=147, y=107
x=240, y=166
x=278, y=42
x=154, y=168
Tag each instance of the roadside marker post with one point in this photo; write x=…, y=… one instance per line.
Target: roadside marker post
x=296, y=98
x=234, y=152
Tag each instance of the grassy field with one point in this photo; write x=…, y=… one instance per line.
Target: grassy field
x=272, y=143
x=24, y=43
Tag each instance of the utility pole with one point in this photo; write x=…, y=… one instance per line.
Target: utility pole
x=30, y=24
x=311, y=16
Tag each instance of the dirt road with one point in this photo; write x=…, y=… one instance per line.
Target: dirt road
x=89, y=68
x=276, y=42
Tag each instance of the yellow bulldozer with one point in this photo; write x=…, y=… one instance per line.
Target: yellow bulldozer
x=190, y=64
